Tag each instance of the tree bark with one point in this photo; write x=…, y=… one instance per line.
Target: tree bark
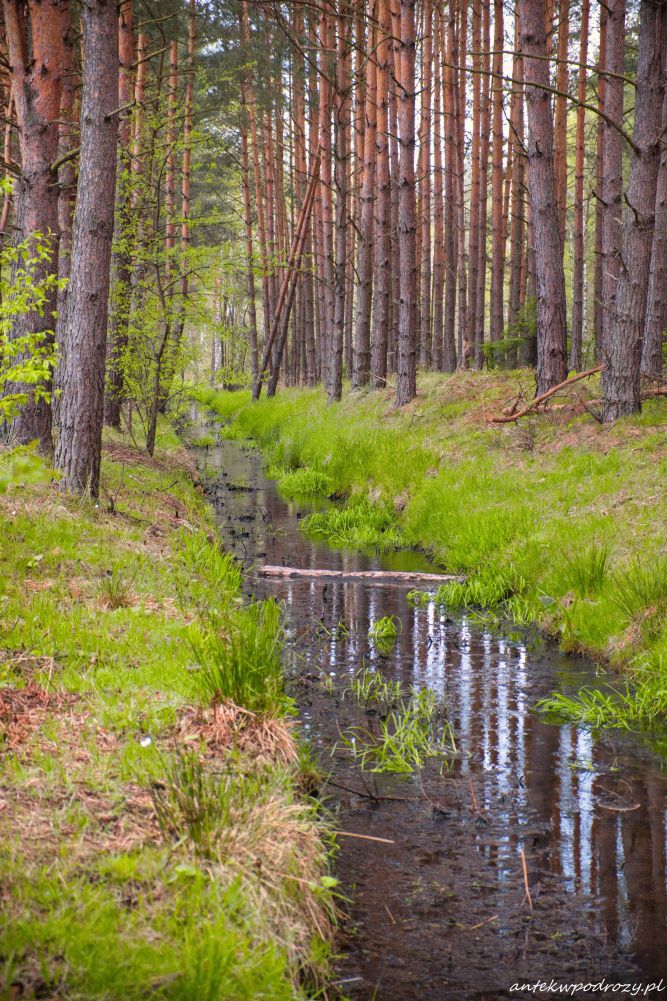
x=362, y=344
x=474, y=222
x=340, y=181
x=517, y=210
x=497, y=247
x=35, y=34
x=560, y=115
x=425, y=274
x=451, y=208
x=406, y=387
x=121, y=264
x=612, y=165
x=246, y=84
x=382, y=222
x=485, y=127
x=623, y=343
x=656, y=309
x=576, y=342
x=79, y=447
x=438, y=199
x=551, y=307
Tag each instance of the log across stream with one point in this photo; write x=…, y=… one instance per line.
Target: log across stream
x=437, y=894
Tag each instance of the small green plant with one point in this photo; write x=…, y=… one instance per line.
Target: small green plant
x=371, y=686
x=588, y=570
x=204, y=808
x=407, y=737
x=362, y=526
x=627, y=709
x=305, y=482
x=641, y=587
x=488, y=588
x=384, y=631
x=115, y=590
x=26, y=360
x=240, y=659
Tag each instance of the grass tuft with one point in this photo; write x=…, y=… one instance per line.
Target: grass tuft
x=240, y=660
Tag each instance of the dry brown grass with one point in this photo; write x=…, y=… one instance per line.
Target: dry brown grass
x=225, y=725
x=23, y=710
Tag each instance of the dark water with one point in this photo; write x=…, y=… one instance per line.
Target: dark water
x=441, y=912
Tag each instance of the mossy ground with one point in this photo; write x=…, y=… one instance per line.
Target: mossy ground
x=556, y=519
x=154, y=842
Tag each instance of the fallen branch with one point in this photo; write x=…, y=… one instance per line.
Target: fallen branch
x=365, y=837
x=527, y=897
x=507, y=418
x=390, y=575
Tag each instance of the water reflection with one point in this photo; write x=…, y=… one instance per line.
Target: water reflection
x=589, y=812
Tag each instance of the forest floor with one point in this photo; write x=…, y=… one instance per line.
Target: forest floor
x=156, y=841
x=556, y=520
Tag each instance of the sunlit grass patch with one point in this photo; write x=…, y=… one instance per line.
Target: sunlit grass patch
x=360, y=526
x=305, y=482
x=101, y=610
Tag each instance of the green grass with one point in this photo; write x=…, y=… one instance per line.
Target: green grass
x=404, y=739
x=240, y=659
x=137, y=862
x=554, y=520
x=383, y=632
x=305, y=483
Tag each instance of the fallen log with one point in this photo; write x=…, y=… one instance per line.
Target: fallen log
x=508, y=418
x=408, y=576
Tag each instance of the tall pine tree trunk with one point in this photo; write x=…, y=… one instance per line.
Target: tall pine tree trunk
x=35, y=35
x=382, y=222
x=438, y=196
x=656, y=308
x=121, y=265
x=425, y=346
x=612, y=165
x=623, y=343
x=550, y=281
x=497, y=244
x=576, y=356
x=340, y=181
x=406, y=387
x=560, y=115
x=78, y=452
x=362, y=344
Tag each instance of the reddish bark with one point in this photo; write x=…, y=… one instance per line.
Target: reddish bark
x=612, y=165
x=406, y=388
x=498, y=245
x=578, y=278
x=362, y=345
x=121, y=265
x=78, y=452
x=382, y=221
x=35, y=34
x=551, y=308
x=623, y=343
x=656, y=308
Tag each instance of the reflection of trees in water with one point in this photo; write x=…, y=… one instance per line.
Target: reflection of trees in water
x=544, y=786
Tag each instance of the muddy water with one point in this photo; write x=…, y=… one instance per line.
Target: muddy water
x=441, y=911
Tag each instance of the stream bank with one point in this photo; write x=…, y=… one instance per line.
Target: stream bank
x=438, y=906
x=556, y=521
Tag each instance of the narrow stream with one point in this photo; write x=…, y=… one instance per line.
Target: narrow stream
x=441, y=912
